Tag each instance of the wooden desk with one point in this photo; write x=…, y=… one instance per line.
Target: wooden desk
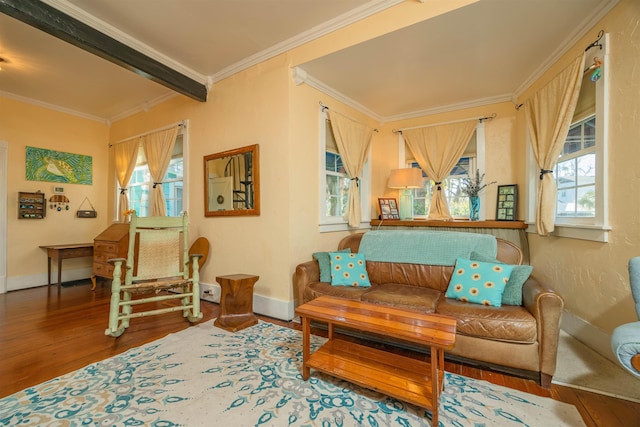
x=61, y=252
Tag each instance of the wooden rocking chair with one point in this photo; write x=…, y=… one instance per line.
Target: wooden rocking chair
x=157, y=260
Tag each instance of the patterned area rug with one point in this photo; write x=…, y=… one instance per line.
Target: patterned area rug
x=205, y=376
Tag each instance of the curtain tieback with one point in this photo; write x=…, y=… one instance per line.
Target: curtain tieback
x=123, y=190
x=438, y=185
x=357, y=180
x=156, y=184
x=543, y=172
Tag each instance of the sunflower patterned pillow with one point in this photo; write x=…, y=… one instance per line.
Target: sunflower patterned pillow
x=478, y=282
x=348, y=270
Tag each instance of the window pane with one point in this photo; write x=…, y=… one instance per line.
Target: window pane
x=330, y=161
x=566, y=174
x=587, y=169
x=139, y=199
x=586, y=206
x=573, y=142
x=590, y=133
x=566, y=202
x=333, y=195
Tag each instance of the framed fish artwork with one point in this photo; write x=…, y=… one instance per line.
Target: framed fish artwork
x=57, y=166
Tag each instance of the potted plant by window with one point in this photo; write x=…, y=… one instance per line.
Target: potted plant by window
x=472, y=187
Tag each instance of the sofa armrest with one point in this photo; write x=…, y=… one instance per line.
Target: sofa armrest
x=546, y=305
x=306, y=273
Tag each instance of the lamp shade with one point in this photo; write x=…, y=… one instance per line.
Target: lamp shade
x=405, y=178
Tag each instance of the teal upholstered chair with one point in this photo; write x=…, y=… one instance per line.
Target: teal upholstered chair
x=625, y=341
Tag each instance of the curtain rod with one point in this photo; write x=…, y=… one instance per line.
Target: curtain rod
x=324, y=107
x=597, y=42
x=179, y=124
x=481, y=119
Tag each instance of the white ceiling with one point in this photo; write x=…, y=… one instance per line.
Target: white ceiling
x=481, y=53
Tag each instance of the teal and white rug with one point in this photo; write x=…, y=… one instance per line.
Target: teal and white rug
x=205, y=376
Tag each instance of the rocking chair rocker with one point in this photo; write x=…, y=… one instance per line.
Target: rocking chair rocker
x=157, y=260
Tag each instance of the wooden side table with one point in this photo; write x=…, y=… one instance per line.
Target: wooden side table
x=236, y=302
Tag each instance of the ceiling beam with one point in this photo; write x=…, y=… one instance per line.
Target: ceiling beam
x=54, y=22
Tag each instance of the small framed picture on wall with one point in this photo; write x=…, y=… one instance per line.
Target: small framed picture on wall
x=507, y=202
x=388, y=208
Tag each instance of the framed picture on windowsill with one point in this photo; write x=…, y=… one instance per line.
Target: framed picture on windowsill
x=388, y=208
x=507, y=202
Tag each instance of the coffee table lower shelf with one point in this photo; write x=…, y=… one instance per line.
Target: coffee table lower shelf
x=397, y=376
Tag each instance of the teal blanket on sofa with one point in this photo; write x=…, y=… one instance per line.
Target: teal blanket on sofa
x=425, y=246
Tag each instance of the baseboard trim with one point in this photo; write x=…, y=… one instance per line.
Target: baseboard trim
x=33, y=281
x=588, y=334
x=266, y=306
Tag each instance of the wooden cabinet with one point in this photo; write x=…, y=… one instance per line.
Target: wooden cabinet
x=111, y=243
x=31, y=205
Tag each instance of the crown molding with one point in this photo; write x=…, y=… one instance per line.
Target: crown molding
x=481, y=102
x=580, y=31
x=53, y=107
x=143, y=107
x=300, y=76
x=357, y=14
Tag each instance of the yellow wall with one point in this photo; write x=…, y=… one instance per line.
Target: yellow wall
x=593, y=276
x=24, y=125
x=262, y=105
x=250, y=107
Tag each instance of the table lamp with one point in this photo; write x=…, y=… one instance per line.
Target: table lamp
x=405, y=179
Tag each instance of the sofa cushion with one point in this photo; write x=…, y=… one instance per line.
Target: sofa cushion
x=508, y=323
x=403, y=296
x=479, y=282
x=512, y=294
x=324, y=263
x=317, y=289
x=348, y=270
x=426, y=276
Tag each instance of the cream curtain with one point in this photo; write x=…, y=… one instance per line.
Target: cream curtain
x=549, y=113
x=353, y=140
x=158, y=147
x=125, y=154
x=437, y=150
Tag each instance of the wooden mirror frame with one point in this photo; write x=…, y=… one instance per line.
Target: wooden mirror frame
x=255, y=175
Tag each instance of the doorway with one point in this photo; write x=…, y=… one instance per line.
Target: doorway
x=4, y=148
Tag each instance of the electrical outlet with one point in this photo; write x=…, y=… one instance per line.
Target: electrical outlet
x=210, y=292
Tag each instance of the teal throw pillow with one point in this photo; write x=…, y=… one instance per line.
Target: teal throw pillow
x=513, y=291
x=348, y=270
x=324, y=263
x=478, y=282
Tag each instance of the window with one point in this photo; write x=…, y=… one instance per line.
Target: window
x=334, y=184
x=337, y=185
x=472, y=159
x=575, y=172
x=140, y=196
x=457, y=202
x=581, y=170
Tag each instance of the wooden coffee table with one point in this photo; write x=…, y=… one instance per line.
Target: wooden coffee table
x=410, y=380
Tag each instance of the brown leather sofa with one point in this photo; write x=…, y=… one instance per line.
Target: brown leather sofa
x=515, y=339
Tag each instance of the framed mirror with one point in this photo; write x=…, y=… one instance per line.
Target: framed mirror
x=232, y=182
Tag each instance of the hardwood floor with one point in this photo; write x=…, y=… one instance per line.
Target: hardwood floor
x=46, y=332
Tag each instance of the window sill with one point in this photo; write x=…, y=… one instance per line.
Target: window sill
x=342, y=226
x=595, y=233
